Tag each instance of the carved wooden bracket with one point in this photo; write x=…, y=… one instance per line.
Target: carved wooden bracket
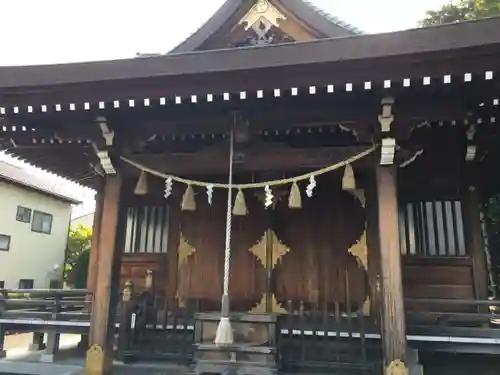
x=387, y=151
x=471, y=144
x=386, y=117
x=106, y=162
x=102, y=151
x=107, y=134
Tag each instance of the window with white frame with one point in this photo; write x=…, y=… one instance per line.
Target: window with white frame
x=42, y=222
x=23, y=214
x=26, y=284
x=4, y=242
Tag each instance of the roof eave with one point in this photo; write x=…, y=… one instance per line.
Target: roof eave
x=445, y=38
x=37, y=189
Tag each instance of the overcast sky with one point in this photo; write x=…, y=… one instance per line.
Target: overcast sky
x=59, y=31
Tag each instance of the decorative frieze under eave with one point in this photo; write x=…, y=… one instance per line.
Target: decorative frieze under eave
x=91, y=105
x=24, y=138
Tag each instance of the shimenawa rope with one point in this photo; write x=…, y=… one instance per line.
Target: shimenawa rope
x=255, y=185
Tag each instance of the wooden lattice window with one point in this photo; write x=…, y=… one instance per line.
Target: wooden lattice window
x=147, y=229
x=432, y=229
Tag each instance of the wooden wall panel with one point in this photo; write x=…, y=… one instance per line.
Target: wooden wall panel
x=438, y=278
x=314, y=270
x=440, y=275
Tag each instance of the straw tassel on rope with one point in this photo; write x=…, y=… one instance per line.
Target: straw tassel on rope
x=240, y=207
x=142, y=184
x=348, y=181
x=295, y=199
x=188, y=201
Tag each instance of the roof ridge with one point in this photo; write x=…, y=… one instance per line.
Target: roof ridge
x=330, y=17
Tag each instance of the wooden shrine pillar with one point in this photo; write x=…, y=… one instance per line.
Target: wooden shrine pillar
x=100, y=353
x=94, y=250
x=475, y=241
x=391, y=293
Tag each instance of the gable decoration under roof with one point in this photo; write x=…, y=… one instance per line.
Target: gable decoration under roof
x=262, y=10
x=248, y=12
x=261, y=17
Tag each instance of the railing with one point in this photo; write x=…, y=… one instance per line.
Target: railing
x=454, y=324
x=334, y=335
x=44, y=311
x=329, y=336
x=155, y=328
x=45, y=304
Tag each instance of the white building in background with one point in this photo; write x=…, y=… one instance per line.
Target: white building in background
x=34, y=223
x=87, y=220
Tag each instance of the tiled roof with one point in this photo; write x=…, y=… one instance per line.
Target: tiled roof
x=337, y=21
x=20, y=176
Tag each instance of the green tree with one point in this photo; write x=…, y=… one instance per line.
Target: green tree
x=461, y=10
x=77, y=256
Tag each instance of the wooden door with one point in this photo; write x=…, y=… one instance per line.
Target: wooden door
x=201, y=254
x=318, y=269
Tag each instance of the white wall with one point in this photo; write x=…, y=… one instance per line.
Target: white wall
x=32, y=255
